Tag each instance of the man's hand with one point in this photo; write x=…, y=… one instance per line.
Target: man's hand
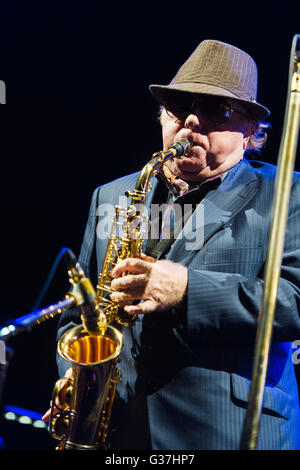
x=160, y=284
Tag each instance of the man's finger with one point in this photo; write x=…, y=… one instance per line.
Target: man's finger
x=129, y=295
x=131, y=265
x=150, y=259
x=128, y=282
x=47, y=415
x=147, y=306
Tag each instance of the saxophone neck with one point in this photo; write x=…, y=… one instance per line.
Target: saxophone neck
x=142, y=186
x=154, y=166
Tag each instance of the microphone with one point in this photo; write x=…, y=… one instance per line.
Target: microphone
x=93, y=319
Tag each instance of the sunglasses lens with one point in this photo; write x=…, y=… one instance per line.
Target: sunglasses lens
x=180, y=107
x=212, y=108
x=215, y=110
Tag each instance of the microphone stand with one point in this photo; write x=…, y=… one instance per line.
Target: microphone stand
x=82, y=295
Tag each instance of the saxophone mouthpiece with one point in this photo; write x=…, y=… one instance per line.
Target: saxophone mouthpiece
x=181, y=147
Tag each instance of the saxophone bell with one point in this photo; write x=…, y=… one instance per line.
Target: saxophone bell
x=85, y=399
x=81, y=404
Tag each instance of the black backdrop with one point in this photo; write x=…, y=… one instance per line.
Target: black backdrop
x=79, y=114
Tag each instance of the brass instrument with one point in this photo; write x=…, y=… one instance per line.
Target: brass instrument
x=93, y=349
x=286, y=160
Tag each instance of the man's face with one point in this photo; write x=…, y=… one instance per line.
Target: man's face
x=216, y=147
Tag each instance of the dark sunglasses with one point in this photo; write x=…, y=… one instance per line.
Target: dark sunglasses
x=212, y=108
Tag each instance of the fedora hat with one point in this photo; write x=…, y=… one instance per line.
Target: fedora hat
x=219, y=69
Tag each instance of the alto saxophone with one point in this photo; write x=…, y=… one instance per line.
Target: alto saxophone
x=86, y=399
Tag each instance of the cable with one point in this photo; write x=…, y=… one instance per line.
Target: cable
x=49, y=278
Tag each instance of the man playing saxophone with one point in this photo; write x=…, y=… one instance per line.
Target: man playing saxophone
x=196, y=290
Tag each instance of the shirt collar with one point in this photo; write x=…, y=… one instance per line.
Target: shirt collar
x=178, y=186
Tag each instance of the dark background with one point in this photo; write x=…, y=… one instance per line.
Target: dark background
x=79, y=114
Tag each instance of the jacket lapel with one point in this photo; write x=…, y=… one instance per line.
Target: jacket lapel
x=216, y=209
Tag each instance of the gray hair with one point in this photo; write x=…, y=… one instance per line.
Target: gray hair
x=258, y=138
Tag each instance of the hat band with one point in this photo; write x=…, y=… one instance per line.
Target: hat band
x=217, y=86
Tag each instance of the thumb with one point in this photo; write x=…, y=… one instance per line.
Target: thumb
x=150, y=259
x=147, y=306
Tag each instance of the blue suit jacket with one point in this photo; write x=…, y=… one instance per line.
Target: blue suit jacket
x=194, y=364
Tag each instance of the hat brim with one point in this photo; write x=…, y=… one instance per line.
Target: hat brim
x=163, y=93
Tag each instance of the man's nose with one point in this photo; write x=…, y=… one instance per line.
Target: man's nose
x=194, y=122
